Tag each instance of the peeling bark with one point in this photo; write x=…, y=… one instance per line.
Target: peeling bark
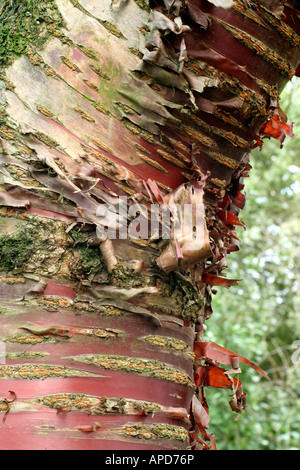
x=160, y=102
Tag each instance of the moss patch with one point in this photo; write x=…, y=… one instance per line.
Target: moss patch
x=17, y=249
x=98, y=405
x=146, y=367
x=86, y=260
x=156, y=431
x=24, y=23
x=29, y=339
x=185, y=294
x=165, y=342
x=43, y=246
x=39, y=371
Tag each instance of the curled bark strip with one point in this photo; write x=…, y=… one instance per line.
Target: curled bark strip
x=277, y=126
x=177, y=413
x=88, y=428
x=108, y=254
x=155, y=191
x=121, y=294
x=200, y=414
x=171, y=319
x=206, y=83
x=7, y=199
x=38, y=288
x=205, y=445
x=198, y=16
x=229, y=218
x=8, y=402
x=190, y=243
x=219, y=281
x=64, y=409
x=5, y=415
x=222, y=3
x=215, y=352
x=196, y=439
x=12, y=399
x=131, y=308
x=213, y=441
x=51, y=330
x=215, y=376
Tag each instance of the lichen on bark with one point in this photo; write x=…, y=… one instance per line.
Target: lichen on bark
x=140, y=99
x=24, y=24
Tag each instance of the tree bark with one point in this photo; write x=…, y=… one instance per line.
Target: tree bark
x=156, y=102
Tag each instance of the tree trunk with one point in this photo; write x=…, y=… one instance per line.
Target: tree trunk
x=159, y=103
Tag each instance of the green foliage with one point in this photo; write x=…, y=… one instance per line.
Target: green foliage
x=23, y=23
x=259, y=318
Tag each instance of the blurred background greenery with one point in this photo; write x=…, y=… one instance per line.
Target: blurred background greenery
x=259, y=318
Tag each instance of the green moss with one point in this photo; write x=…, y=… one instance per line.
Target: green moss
x=156, y=431
x=146, y=367
x=123, y=276
x=78, y=236
x=25, y=355
x=185, y=294
x=111, y=28
x=17, y=249
x=89, y=52
x=90, y=260
x=146, y=407
x=110, y=74
x=38, y=243
x=86, y=260
x=143, y=4
x=166, y=342
x=24, y=23
x=29, y=339
x=190, y=301
x=39, y=371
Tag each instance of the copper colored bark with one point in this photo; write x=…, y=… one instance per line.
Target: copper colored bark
x=159, y=102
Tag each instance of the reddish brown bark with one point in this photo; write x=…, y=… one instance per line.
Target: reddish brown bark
x=159, y=101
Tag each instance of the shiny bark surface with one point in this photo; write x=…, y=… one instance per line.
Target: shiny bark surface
x=160, y=102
